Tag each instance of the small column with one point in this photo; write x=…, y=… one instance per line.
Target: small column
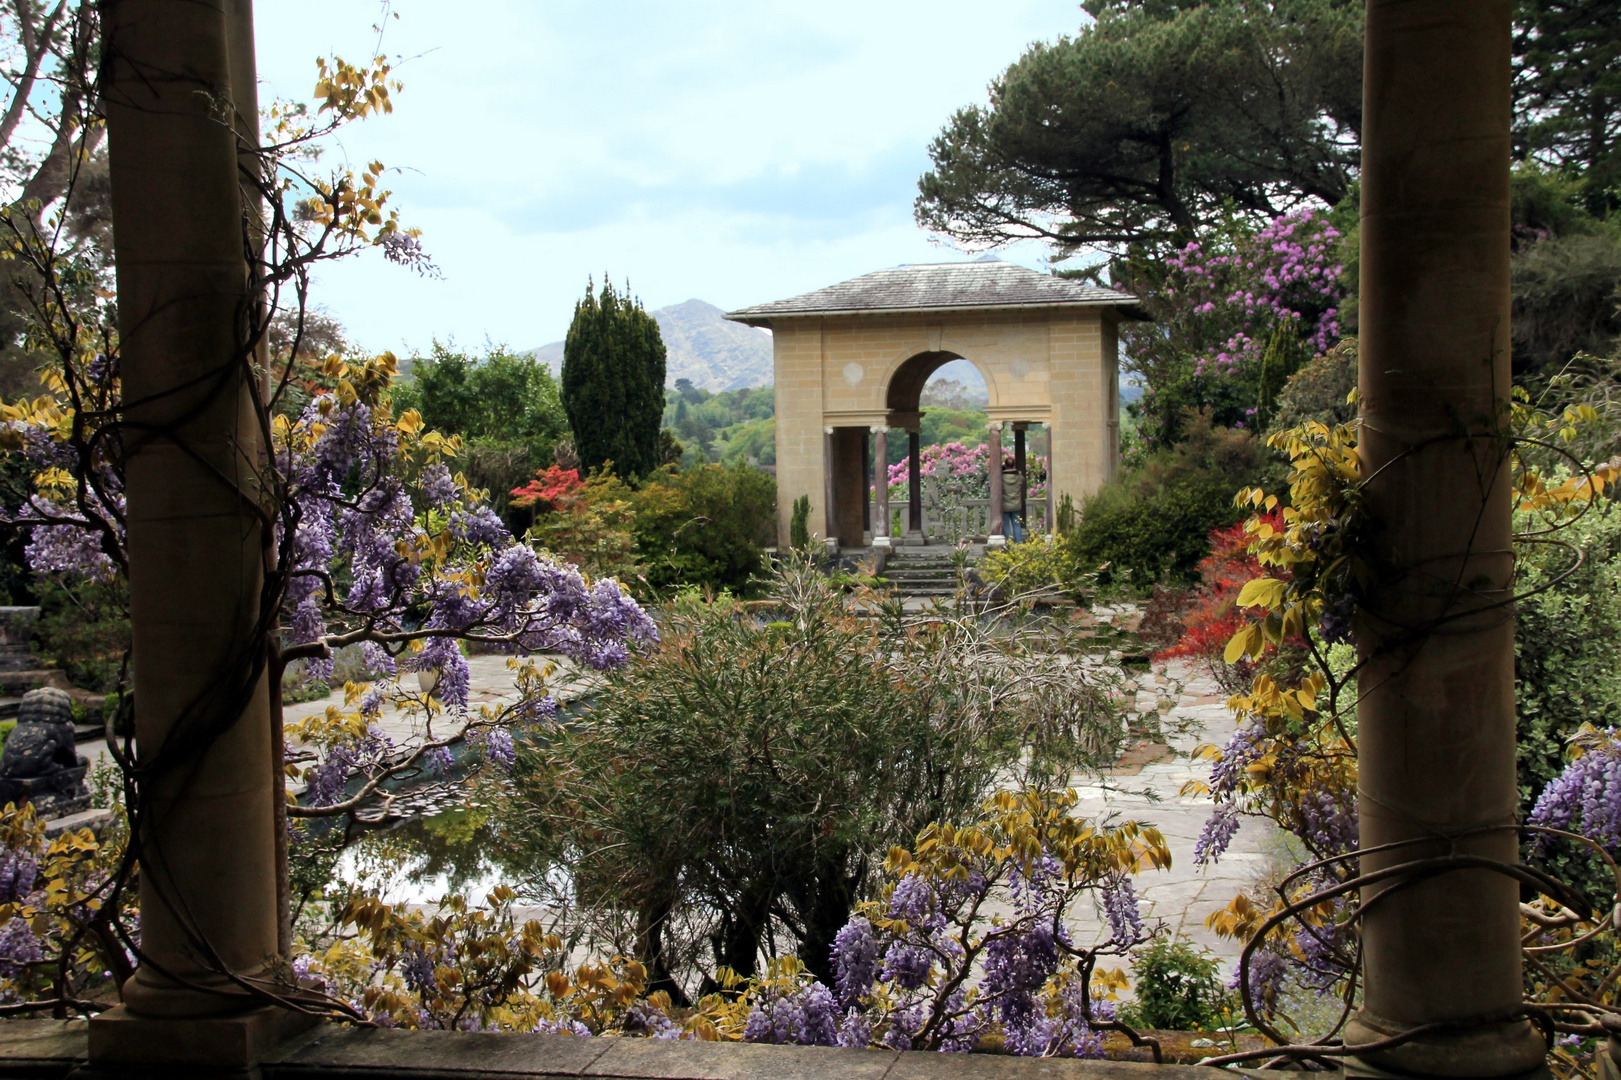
x=866, y=471
x=1051, y=511
x=914, y=485
x=880, y=483
x=829, y=511
x=993, y=441
x=1019, y=465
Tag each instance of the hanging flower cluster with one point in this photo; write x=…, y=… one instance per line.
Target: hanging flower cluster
x=1586, y=797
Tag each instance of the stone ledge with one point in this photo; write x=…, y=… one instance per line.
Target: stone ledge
x=50, y=1049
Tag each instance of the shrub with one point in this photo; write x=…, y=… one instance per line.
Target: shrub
x=1210, y=615
x=84, y=630
x=1566, y=643
x=751, y=774
x=706, y=527
x=799, y=527
x=1178, y=988
x=1320, y=390
x=505, y=406
x=591, y=526
x=1567, y=665
x=1041, y=564
x=1155, y=524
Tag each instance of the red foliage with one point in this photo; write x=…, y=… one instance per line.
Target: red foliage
x=549, y=489
x=1213, y=615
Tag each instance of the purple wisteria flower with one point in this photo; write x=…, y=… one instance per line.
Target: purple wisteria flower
x=855, y=960
x=1120, y=907
x=804, y=1014
x=1586, y=797
x=1217, y=833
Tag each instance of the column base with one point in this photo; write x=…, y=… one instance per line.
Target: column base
x=913, y=538
x=1501, y=1051
x=995, y=541
x=123, y=1044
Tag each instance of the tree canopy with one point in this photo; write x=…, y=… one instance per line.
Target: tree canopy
x=503, y=395
x=1151, y=120
x=613, y=382
x=1567, y=89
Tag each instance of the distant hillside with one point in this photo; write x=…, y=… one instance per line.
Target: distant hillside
x=702, y=346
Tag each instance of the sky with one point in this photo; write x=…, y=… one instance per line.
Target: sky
x=734, y=151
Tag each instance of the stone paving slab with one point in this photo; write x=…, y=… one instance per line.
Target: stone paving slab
x=52, y=1048
x=1185, y=895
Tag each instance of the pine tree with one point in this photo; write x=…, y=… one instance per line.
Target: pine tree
x=613, y=382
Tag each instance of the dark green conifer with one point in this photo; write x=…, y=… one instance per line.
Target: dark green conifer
x=613, y=382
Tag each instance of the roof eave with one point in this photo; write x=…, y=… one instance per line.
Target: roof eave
x=1128, y=309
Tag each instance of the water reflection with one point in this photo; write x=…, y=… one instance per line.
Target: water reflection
x=423, y=860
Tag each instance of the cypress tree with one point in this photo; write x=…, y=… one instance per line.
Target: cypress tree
x=613, y=382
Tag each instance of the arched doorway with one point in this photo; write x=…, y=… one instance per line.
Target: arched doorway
x=948, y=496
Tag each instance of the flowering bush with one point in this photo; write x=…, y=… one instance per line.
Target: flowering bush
x=65, y=916
x=965, y=469
x=551, y=488
x=1212, y=615
x=1236, y=311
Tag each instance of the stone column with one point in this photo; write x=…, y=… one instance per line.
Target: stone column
x=880, y=482
x=1436, y=720
x=208, y=867
x=1019, y=465
x=866, y=471
x=993, y=441
x=1050, y=514
x=829, y=508
x=914, y=483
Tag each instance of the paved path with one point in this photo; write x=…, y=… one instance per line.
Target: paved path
x=1183, y=896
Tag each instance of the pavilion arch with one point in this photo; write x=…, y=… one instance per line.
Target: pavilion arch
x=851, y=361
x=905, y=381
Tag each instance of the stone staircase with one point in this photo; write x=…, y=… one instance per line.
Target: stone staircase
x=921, y=573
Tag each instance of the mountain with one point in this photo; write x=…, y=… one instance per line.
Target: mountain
x=702, y=346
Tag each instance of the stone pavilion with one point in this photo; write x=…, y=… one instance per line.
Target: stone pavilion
x=851, y=361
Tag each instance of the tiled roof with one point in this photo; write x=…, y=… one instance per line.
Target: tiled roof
x=938, y=286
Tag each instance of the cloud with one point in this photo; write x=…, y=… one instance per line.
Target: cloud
x=735, y=151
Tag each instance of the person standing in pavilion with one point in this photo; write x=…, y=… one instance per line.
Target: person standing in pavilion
x=1012, y=503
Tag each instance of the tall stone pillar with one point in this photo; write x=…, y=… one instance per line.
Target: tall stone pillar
x=195, y=570
x=993, y=442
x=208, y=886
x=880, y=482
x=914, y=485
x=1436, y=719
